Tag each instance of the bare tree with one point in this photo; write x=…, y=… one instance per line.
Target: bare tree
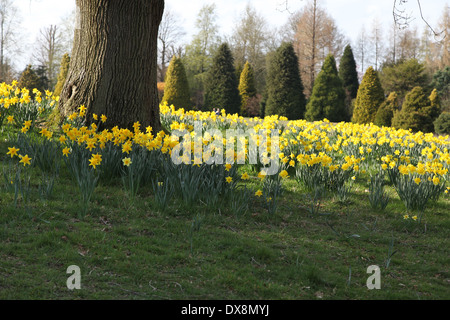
x=362, y=49
x=49, y=50
x=436, y=54
x=168, y=36
x=316, y=36
x=402, y=17
x=249, y=42
x=9, y=26
x=376, y=38
x=408, y=44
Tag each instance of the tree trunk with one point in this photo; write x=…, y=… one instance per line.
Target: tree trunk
x=113, y=68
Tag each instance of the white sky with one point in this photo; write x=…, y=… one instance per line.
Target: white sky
x=350, y=15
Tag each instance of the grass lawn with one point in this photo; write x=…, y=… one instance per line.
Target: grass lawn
x=132, y=250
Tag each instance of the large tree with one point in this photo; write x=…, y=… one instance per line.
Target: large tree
x=316, y=36
x=348, y=72
x=284, y=85
x=113, y=63
x=221, y=87
x=328, y=96
x=176, y=87
x=369, y=98
x=418, y=111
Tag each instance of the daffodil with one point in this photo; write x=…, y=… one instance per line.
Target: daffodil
x=12, y=151
x=126, y=162
x=66, y=151
x=284, y=174
x=25, y=160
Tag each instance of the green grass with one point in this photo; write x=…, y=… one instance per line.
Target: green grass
x=133, y=251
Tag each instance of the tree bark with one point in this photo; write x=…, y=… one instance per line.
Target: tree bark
x=113, y=68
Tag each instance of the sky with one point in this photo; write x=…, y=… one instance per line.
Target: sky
x=350, y=15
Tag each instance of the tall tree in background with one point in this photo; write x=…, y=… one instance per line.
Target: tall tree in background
x=49, y=52
x=249, y=42
x=285, y=95
x=376, y=39
x=348, y=72
x=170, y=32
x=328, y=96
x=362, y=50
x=221, y=87
x=316, y=36
x=9, y=41
x=113, y=64
x=369, y=98
x=391, y=52
x=200, y=52
x=176, y=87
x=349, y=76
x=408, y=44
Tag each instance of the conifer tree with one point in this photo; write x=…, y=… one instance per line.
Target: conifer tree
x=285, y=95
x=221, y=88
x=63, y=70
x=176, y=87
x=30, y=80
x=403, y=77
x=369, y=98
x=349, y=76
x=327, y=99
x=386, y=110
x=246, y=87
x=348, y=73
x=418, y=111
